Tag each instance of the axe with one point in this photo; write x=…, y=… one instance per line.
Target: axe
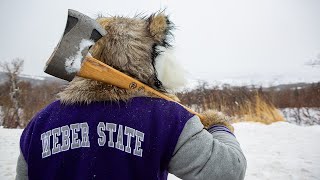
x=70, y=58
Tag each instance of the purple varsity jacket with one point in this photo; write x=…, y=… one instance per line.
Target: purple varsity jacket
x=103, y=140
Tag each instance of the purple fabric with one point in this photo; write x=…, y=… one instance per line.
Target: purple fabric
x=220, y=128
x=161, y=122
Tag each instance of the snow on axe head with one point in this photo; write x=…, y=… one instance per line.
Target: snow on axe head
x=80, y=33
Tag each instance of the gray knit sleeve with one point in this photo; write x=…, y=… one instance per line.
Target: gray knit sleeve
x=202, y=155
x=22, y=168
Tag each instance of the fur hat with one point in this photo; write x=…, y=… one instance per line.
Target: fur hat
x=139, y=47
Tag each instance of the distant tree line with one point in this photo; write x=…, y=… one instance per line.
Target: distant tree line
x=297, y=97
x=254, y=103
x=243, y=103
x=21, y=100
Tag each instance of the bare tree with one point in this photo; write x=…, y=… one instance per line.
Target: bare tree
x=12, y=70
x=314, y=62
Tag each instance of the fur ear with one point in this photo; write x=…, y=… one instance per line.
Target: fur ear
x=159, y=27
x=103, y=21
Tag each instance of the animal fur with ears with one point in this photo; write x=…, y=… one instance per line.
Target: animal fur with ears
x=139, y=48
x=132, y=45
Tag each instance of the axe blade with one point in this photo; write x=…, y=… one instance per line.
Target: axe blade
x=79, y=27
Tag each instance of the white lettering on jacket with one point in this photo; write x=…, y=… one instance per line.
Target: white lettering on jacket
x=76, y=135
x=65, y=137
x=116, y=132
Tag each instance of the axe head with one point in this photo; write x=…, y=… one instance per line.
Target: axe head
x=79, y=27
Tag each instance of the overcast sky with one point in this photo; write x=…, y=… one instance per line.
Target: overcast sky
x=215, y=39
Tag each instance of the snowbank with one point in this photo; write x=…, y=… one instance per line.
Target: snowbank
x=9, y=152
x=302, y=116
x=278, y=151
x=1, y=116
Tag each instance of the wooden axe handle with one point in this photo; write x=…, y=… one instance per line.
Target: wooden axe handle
x=92, y=68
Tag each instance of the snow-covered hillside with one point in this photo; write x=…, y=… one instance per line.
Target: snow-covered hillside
x=302, y=116
x=304, y=76
x=278, y=151
x=35, y=80
x=1, y=116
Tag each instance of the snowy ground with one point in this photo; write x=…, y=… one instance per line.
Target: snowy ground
x=278, y=151
x=9, y=151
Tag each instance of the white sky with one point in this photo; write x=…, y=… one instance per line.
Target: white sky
x=214, y=40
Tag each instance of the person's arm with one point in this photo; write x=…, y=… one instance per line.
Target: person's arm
x=22, y=168
x=207, y=154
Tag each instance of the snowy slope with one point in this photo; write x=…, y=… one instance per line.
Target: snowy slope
x=35, y=80
x=278, y=151
x=302, y=116
x=1, y=116
x=303, y=75
x=9, y=151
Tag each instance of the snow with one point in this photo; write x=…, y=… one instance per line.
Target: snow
x=1, y=116
x=302, y=116
x=278, y=151
x=304, y=75
x=9, y=152
x=73, y=63
x=32, y=77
